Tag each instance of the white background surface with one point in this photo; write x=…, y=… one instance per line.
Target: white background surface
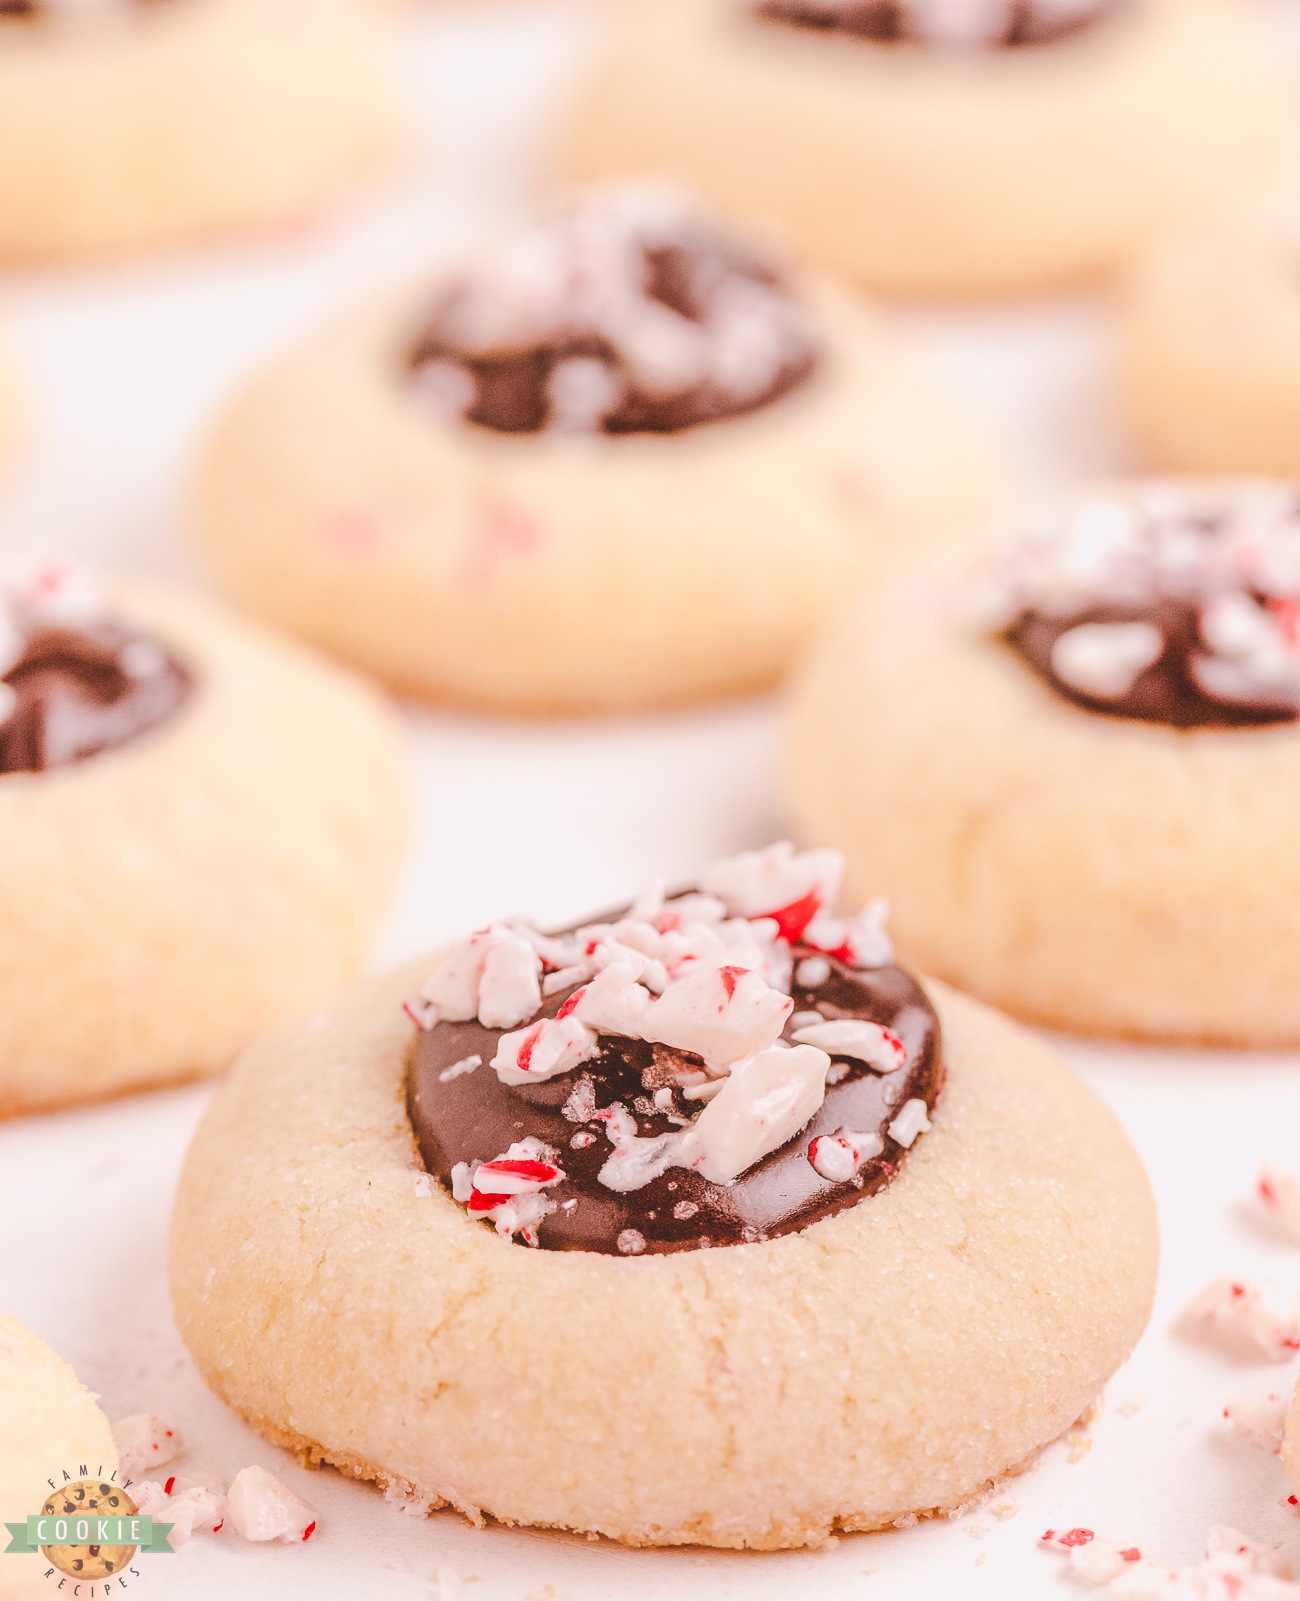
x=127, y=367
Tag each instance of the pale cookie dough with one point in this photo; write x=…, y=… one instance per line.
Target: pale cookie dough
x=1089, y=872
x=931, y=172
x=13, y=403
x=49, y=1424
x=163, y=902
x=159, y=123
x=571, y=571
x=886, y=1361
x=1209, y=351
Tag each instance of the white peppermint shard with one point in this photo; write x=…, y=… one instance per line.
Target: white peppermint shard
x=864, y=1041
x=764, y=1102
x=762, y=883
x=555, y=1045
x=838, y=1156
x=1104, y=659
x=261, y=1508
x=721, y=1014
x=914, y=1119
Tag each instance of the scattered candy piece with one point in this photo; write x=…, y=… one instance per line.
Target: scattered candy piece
x=1234, y=1569
x=1066, y=1539
x=261, y=1508
x=1279, y=1195
x=144, y=1442
x=1233, y=1311
x=1260, y=1418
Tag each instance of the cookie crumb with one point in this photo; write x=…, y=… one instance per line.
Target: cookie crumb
x=1131, y=1407
x=1091, y=1412
x=1080, y=1445
x=1004, y=1511
x=977, y=1531
x=981, y=1559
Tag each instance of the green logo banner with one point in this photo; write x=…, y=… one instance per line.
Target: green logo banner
x=49, y=1529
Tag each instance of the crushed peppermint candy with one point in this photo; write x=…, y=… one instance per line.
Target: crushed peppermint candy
x=467, y=1064
x=627, y=312
x=508, y=1189
x=1234, y=1568
x=695, y=989
x=1233, y=1312
x=942, y=24
x=188, y=1506
x=865, y=1042
x=839, y=1156
x=1168, y=603
x=261, y=1508
x=1260, y=1419
x=914, y=1119
x=144, y=1442
x=1279, y=1194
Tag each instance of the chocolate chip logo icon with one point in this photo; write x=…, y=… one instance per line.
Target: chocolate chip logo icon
x=75, y=1514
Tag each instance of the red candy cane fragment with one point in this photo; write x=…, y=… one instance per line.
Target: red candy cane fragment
x=1066, y=1539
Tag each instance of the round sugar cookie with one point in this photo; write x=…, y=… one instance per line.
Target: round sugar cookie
x=201, y=829
x=49, y=1425
x=891, y=1358
x=931, y=166
x=431, y=488
x=13, y=403
x=143, y=123
x=1209, y=350
x=1081, y=801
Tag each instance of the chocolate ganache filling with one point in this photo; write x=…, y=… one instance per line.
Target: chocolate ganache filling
x=978, y=24
x=78, y=683
x=628, y=314
x=1167, y=605
x=72, y=10
x=623, y=1127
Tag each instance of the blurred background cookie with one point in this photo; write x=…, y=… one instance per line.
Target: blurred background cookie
x=200, y=830
x=1081, y=797
x=982, y=147
x=619, y=460
x=1209, y=349
x=126, y=124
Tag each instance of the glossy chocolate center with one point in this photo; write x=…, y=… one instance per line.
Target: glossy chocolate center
x=584, y=379
x=1024, y=22
x=461, y=1116
x=1172, y=688
x=76, y=692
